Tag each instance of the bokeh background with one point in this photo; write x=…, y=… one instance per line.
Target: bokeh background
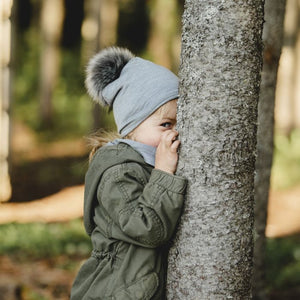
x=46, y=115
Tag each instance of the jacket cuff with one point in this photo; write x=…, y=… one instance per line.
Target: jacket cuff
x=169, y=181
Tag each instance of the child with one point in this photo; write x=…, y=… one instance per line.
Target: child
x=132, y=199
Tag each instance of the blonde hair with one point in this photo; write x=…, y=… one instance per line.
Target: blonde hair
x=99, y=139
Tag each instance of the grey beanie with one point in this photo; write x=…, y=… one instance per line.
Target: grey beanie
x=133, y=87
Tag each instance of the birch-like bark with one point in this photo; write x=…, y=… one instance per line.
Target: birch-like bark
x=272, y=39
x=5, y=95
x=217, y=115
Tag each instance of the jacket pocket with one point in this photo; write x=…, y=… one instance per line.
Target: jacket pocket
x=142, y=289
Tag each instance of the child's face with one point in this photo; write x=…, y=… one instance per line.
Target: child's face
x=149, y=131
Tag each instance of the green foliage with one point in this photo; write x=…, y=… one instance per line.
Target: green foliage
x=283, y=262
x=38, y=240
x=286, y=163
x=72, y=111
x=72, y=107
x=26, y=81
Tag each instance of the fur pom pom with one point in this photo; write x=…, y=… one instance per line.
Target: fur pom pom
x=104, y=68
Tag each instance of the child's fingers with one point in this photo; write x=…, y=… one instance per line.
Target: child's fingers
x=175, y=145
x=169, y=136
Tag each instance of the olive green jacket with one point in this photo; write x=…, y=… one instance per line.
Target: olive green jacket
x=130, y=211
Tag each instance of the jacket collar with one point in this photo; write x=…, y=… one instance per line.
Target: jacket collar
x=147, y=152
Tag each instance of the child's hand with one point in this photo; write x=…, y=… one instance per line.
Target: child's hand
x=166, y=154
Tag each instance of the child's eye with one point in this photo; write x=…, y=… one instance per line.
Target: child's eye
x=166, y=124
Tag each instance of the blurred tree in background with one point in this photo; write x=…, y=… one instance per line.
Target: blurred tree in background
x=133, y=25
x=54, y=40
x=272, y=40
x=52, y=49
x=5, y=94
x=51, y=112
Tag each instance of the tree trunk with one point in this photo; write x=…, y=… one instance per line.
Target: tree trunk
x=133, y=25
x=217, y=115
x=164, y=33
x=287, y=110
x=99, y=30
x=272, y=38
x=51, y=27
x=5, y=94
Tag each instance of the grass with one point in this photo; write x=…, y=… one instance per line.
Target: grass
x=283, y=263
x=38, y=240
x=286, y=161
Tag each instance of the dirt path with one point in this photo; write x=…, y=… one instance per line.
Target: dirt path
x=49, y=281
x=43, y=281
x=62, y=206
x=283, y=212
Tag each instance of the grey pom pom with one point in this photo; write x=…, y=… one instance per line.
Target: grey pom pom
x=104, y=68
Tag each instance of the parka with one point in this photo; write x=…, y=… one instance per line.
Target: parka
x=130, y=211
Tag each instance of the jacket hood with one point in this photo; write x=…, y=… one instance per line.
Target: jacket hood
x=105, y=158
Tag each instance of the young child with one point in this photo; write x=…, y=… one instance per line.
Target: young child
x=132, y=199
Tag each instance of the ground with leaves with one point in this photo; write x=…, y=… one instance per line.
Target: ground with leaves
x=51, y=278
x=48, y=189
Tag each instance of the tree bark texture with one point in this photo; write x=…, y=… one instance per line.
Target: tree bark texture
x=217, y=116
x=272, y=39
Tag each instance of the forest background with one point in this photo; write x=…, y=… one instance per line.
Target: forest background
x=42, y=241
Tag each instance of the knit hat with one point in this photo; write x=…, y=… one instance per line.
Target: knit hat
x=131, y=86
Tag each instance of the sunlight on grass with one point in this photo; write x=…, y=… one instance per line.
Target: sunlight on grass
x=286, y=162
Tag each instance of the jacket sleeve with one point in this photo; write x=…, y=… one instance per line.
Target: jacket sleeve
x=147, y=212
